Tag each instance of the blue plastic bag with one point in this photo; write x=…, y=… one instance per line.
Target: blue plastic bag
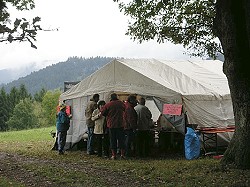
x=192, y=144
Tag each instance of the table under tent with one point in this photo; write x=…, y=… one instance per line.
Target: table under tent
x=199, y=86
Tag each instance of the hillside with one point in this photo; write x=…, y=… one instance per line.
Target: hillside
x=53, y=76
x=8, y=75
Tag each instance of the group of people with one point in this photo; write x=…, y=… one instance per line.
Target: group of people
x=118, y=127
x=115, y=127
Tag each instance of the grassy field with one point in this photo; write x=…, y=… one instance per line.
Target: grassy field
x=26, y=158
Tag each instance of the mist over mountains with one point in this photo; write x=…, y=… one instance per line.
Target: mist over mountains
x=53, y=76
x=8, y=75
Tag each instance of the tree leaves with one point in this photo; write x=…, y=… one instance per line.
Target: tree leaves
x=22, y=29
x=182, y=22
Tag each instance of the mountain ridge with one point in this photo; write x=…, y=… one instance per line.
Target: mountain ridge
x=53, y=76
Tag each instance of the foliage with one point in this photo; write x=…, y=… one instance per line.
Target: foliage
x=20, y=29
x=39, y=113
x=23, y=93
x=23, y=116
x=182, y=22
x=13, y=98
x=39, y=95
x=3, y=110
x=8, y=103
x=49, y=105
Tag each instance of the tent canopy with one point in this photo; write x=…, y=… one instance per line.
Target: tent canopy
x=200, y=86
x=160, y=78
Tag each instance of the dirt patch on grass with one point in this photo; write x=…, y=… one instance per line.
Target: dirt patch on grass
x=13, y=167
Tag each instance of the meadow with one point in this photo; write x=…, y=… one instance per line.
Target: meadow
x=26, y=159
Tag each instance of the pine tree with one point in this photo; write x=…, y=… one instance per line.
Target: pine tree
x=39, y=95
x=4, y=113
x=23, y=93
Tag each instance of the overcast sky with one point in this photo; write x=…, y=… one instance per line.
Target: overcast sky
x=87, y=28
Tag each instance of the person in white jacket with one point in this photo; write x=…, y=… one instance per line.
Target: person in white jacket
x=99, y=128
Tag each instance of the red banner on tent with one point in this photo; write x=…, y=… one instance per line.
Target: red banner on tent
x=68, y=109
x=172, y=109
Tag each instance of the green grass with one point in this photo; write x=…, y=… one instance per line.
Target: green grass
x=77, y=168
x=4, y=182
x=42, y=134
x=29, y=142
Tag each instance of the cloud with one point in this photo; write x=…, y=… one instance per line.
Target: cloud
x=85, y=28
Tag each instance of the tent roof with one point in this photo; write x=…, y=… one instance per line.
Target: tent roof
x=162, y=78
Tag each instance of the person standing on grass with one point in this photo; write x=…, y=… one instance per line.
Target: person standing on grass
x=62, y=126
x=144, y=123
x=100, y=122
x=130, y=123
x=114, y=111
x=91, y=106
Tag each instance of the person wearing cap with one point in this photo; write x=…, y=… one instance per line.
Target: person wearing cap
x=91, y=106
x=114, y=111
x=62, y=126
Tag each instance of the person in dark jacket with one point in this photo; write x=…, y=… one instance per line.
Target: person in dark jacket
x=130, y=123
x=62, y=126
x=91, y=106
x=114, y=111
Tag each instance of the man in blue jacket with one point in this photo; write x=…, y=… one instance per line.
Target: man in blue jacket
x=62, y=126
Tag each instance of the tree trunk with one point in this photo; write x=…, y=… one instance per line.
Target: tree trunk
x=232, y=26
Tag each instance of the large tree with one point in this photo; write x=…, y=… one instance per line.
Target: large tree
x=21, y=29
x=49, y=106
x=207, y=26
x=23, y=116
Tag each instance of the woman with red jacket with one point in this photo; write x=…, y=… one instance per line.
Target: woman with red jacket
x=114, y=111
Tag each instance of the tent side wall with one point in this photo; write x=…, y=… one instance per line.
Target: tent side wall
x=78, y=127
x=210, y=112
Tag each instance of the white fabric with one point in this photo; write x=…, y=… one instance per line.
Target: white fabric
x=200, y=86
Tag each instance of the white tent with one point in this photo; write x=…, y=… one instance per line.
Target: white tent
x=200, y=86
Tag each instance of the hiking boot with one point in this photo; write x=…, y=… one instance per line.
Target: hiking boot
x=123, y=157
x=61, y=153
x=105, y=157
x=113, y=157
x=91, y=153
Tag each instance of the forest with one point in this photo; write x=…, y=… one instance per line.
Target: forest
x=30, y=102
x=20, y=110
